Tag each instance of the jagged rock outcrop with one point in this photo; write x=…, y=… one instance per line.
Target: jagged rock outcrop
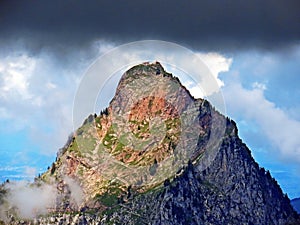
x=194, y=167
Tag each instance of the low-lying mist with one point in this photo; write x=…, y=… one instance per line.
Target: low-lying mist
x=22, y=199
x=27, y=200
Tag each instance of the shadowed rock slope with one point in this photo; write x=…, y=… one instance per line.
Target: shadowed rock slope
x=296, y=204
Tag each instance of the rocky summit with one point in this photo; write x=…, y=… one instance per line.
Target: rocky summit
x=157, y=156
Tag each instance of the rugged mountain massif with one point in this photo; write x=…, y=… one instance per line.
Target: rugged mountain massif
x=156, y=155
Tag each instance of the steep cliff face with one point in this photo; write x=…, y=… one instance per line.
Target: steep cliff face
x=232, y=190
x=158, y=156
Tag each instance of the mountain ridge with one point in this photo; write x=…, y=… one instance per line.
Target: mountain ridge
x=156, y=155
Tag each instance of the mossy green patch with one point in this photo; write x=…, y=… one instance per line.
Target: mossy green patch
x=111, y=196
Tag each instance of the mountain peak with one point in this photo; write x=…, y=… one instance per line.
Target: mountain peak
x=149, y=113
x=158, y=156
x=150, y=80
x=149, y=68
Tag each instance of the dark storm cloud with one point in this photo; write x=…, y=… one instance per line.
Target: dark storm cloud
x=212, y=25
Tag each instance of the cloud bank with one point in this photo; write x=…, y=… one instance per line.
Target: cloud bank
x=210, y=25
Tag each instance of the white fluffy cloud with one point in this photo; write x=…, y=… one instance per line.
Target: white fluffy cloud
x=36, y=95
x=251, y=104
x=216, y=64
x=15, y=74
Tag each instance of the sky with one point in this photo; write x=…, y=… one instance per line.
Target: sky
x=251, y=48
